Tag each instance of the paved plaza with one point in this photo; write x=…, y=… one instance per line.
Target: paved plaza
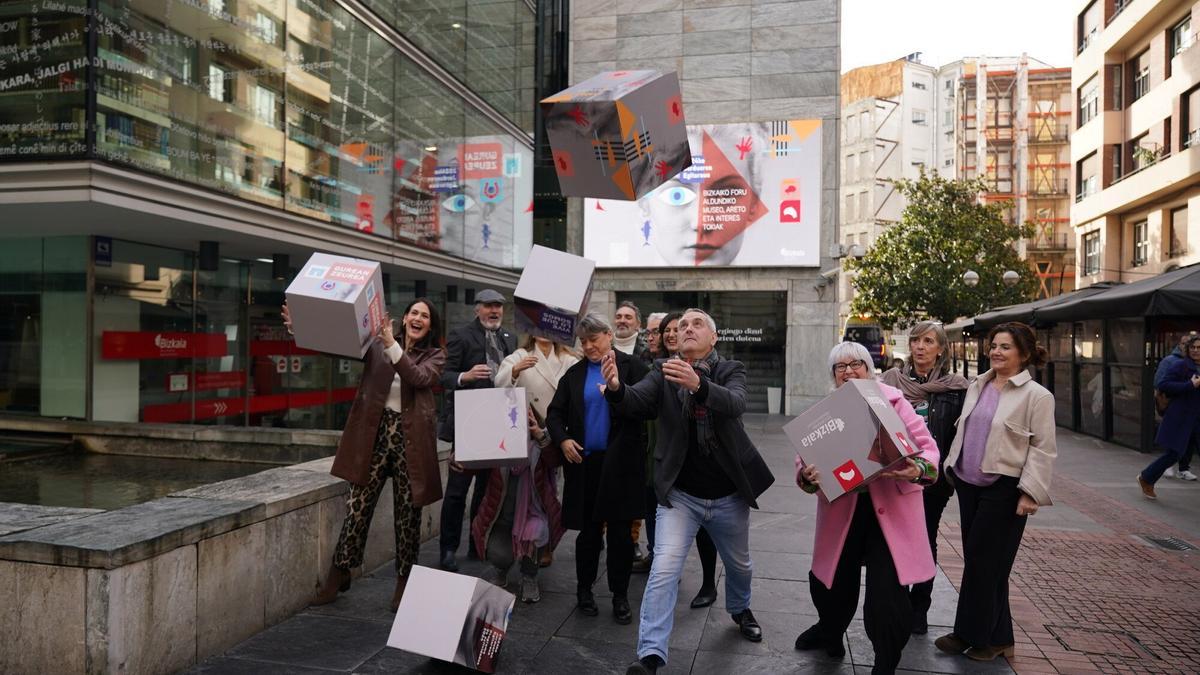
x=1090, y=594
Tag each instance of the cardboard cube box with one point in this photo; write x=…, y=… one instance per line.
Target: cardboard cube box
x=617, y=135
x=553, y=294
x=452, y=617
x=337, y=304
x=490, y=427
x=851, y=436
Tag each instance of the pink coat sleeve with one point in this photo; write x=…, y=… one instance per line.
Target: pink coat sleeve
x=913, y=422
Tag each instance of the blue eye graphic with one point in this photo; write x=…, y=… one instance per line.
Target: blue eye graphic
x=458, y=203
x=677, y=196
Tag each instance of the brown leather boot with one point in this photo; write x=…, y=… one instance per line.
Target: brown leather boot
x=546, y=558
x=401, y=582
x=338, y=581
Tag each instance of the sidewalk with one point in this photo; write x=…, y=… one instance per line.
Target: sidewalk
x=1088, y=594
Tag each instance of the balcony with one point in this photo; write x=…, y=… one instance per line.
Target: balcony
x=1050, y=187
x=1118, y=7
x=1053, y=243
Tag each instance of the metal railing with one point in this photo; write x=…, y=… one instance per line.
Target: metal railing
x=1050, y=187
x=1056, y=242
x=1118, y=7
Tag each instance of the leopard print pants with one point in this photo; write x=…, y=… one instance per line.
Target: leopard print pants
x=386, y=461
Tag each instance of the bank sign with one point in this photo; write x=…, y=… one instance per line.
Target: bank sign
x=752, y=197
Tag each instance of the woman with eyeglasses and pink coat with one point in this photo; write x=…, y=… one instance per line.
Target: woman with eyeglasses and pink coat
x=881, y=525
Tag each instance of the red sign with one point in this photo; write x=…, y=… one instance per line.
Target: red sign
x=274, y=347
x=223, y=407
x=210, y=381
x=151, y=345
x=848, y=475
x=480, y=160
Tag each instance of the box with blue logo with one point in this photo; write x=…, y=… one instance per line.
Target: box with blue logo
x=491, y=427
x=553, y=294
x=337, y=304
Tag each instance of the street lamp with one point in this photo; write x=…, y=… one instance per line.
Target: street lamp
x=1010, y=278
x=971, y=278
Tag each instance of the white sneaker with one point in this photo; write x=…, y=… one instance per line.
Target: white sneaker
x=1169, y=473
x=1187, y=475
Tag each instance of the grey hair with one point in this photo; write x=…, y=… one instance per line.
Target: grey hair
x=854, y=350
x=636, y=312
x=593, y=323
x=712, y=325
x=655, y=316
x=942, y=365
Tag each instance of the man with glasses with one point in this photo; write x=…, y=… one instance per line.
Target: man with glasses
x=707, y=473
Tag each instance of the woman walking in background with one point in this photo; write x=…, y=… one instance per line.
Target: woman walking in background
x=937, y=395
x=1180, y=428
x=1001, y=463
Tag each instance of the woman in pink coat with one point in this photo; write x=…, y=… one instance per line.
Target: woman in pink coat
x=881, y=525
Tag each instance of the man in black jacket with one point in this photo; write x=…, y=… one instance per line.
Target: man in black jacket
x=707, y=472
x=473, y=354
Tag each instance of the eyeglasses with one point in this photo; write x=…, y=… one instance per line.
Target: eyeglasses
x=857, y=364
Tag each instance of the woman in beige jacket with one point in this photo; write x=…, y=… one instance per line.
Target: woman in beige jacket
x=1000, y=462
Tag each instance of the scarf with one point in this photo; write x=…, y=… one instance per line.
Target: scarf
x=531, y=526
x=706, y=434
x=626, y=345
x=919, y=392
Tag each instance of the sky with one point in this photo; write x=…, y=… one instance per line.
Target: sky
x=875, y=31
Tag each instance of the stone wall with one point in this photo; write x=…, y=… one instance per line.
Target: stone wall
x=738, y=61
x=159, y=586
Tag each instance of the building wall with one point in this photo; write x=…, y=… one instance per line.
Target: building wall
x=1145, y=204
x=737, y=62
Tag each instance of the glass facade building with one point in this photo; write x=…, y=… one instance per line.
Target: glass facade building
x=397, y=131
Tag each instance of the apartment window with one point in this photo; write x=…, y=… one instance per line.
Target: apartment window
x=1179, y=232
x=947, y=84
x=851, y=172
x=1087, y=179
x=1087, y=25
x=850, y=216
x=1091, y=253
x=1089, y=100
x=264, y=106
x=919, y=117
x=268, y=31
x=865, y=165
x=220, y=86
x=918, y=85
x=1182, y=36
x=1143, y=152
x=1141, y=243
x=851, y=127
x=864, y=210
x=864, y=120
x=1139, y=69
x=1190, y=114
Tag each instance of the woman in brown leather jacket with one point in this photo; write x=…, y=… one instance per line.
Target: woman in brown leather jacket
x=390, y=433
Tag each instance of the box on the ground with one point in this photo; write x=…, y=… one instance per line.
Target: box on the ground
x=553, y=294
x=337, y=304
x=490, y=427
x=850, y=436
x=617, y=135
x=452, y=617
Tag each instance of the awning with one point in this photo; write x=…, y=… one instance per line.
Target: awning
x=1174, y=293
x=1028, y=312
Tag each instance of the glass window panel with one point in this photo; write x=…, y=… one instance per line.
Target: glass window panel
x=1126, y=340
x=1064, y=388
x=194, y=92
x=1089, y=342
x=341, y=117
x=1091, y=399
x=43, y=79
x=1125, y=383
x=219, y=380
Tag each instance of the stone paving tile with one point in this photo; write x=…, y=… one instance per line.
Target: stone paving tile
x=743, y=664
x=223, y=665
x=308, y=641
x=591, y=657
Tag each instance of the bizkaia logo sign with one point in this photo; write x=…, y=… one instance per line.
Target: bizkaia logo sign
x=170, y=343
x=120, y=345
x=830, y=426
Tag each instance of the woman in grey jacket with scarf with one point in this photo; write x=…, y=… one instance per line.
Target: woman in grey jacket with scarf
x=937, y=395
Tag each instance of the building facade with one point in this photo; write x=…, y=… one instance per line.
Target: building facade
x=1135, y=149
x=762, y=78
x=1013, y=131
x=166, y=167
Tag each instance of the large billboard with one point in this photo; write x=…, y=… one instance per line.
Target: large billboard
x=752, y=197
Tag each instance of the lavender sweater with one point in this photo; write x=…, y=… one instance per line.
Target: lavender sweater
x=975, y=437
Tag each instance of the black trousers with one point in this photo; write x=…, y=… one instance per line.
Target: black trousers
x=936, y=497
x=455, y=501
x=887, y=614
x=619, y=555
x=991, y=533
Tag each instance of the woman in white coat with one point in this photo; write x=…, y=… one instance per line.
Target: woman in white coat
x=537, y=366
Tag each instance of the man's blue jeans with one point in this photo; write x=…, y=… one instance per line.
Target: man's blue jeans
x=728, y=522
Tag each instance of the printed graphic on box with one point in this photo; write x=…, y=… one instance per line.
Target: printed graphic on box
x=751, y=197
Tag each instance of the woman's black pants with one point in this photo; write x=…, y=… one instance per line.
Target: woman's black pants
x=991, y=535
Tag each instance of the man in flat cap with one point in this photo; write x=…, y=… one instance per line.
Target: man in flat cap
x=473, y=354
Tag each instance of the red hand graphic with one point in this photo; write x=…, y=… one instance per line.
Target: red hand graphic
x=744, y=147
x=579, y=116
x=662, y=169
